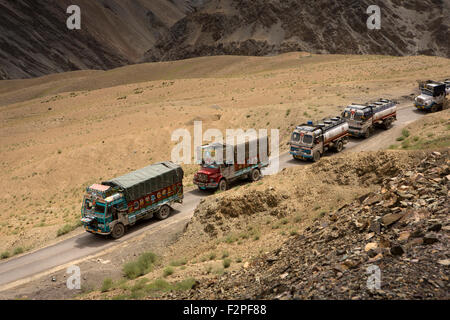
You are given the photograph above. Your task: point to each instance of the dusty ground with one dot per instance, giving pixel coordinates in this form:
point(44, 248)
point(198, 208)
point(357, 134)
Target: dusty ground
point(53, 146)
point(63, 132)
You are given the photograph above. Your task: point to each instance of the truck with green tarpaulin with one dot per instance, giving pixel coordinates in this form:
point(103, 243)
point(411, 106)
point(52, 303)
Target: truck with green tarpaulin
point(112, 206)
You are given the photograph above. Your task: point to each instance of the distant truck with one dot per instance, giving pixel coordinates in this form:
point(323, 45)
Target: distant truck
point(362, 119)
point(219, 175)
point(447, 86)
point(432, 96)
point(110, 207)
point(310, 141)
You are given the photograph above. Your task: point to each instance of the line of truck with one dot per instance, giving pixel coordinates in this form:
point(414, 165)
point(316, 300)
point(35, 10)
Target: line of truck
point(310, 140)
point(112, 206)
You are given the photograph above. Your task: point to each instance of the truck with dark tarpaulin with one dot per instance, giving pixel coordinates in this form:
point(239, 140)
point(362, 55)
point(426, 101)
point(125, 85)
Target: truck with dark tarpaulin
point(110, 207)
point(247, 158)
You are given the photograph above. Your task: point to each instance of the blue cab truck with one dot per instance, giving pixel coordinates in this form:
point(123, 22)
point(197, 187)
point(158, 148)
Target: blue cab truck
point(110, 207)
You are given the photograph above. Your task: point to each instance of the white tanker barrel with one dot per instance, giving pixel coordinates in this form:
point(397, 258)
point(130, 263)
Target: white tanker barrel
point(382, 113)
point(335, 132)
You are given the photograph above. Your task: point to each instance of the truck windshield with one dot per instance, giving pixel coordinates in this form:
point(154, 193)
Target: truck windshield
point(296, 136)
point(99, 208)
point(427, 93)
point(307, 139)
point(210, 165)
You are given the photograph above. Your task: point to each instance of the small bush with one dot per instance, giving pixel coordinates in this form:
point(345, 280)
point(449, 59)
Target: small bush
point(5, 255)
point(143, 265)
point(18, 250)
point(226, 263)
point(107, 285)
point(177, 263)
point(405, 133)
point(168, 271)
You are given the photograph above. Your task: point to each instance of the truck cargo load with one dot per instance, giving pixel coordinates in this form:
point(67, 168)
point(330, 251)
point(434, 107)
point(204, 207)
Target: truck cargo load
point(144, 181)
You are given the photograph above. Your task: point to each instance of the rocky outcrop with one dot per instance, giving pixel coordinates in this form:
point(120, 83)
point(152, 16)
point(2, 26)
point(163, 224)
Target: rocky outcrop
point(398, 235)
point(35, 41)
point(263, 27)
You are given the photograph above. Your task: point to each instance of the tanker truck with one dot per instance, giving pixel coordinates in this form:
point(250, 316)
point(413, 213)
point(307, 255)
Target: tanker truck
point(432, 96)
point(311, 140)
point(112, 206)
point(362, 119)
point(222, 164)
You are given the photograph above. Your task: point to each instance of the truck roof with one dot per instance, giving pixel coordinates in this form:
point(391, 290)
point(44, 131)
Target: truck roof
point(323, 124)
point(141, 182)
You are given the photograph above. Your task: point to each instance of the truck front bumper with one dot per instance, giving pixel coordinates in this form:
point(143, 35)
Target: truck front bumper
point(96, 231)
point(300, 155)
point(355, 133)
point(423, 107)
point(206, 185)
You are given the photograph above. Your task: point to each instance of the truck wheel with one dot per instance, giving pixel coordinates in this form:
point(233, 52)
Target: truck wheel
point(339, 146)
point(163, 212)
point(118, 231)
point(434, 108)
point(316, 156)
point(367, 133)
point(255, 175)
point(387, 124)
point(223, 185)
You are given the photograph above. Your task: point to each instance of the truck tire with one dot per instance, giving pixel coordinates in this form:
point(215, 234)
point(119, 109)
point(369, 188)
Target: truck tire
point(367, 133)
point(339, 146)
point(118, 231)
point(387, 124)
point(223, 185)
point(163, 212)
point(434, 108)
point(255, 175)
point(316, 156)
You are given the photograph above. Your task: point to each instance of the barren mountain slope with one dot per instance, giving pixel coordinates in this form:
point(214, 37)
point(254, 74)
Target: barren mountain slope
point(34, 39)
point(264, 27)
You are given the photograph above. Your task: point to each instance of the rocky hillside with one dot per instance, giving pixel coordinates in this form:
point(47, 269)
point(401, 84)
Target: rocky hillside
point(35, 41)
point(402, 230)
point(263, 27)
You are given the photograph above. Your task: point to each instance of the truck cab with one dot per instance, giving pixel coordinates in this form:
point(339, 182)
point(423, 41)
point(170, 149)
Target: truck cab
point(359, 118)
point(101, 206)
point(432, 96)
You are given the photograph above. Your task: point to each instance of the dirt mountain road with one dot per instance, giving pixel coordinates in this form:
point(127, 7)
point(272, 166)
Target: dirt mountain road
point(35, 264)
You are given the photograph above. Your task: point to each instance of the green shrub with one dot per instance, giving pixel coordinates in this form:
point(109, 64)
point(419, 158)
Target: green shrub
point(177, 263)
point(18, 250)
point(226, 263)
point(107, 285)
point(5, 255)
point(141, 266)
point(405, 133)
point(168, 271)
